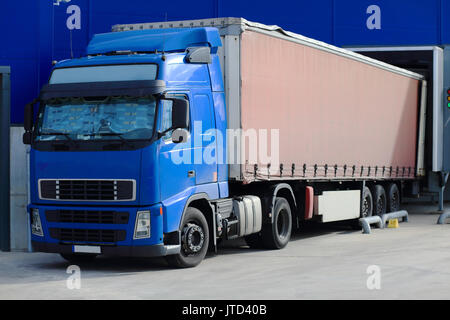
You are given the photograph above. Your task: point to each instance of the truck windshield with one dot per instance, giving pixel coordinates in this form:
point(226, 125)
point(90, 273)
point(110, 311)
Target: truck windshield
point(110, 118)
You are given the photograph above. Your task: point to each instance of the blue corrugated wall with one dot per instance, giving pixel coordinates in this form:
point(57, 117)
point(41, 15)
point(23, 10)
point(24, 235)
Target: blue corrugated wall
point(35, 32)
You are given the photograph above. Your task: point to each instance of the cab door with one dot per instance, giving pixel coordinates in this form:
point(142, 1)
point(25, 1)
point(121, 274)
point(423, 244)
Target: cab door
point(205, 151)
point(176, 169)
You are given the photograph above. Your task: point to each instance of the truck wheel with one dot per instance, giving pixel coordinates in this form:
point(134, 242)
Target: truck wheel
point(79, 258)
point(393, 198)
point(277, 234)
point(194, 240)
point(367, 203)
point(379, 200)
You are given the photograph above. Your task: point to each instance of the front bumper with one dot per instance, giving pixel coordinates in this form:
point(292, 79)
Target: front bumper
point(157, 250)
point(122, 243)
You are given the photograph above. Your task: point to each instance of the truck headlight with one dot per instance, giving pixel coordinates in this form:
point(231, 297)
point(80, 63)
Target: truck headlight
point(36, 226)
point(142, 227)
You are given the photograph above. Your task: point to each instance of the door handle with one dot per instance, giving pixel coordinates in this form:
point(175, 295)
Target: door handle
point(191, 173)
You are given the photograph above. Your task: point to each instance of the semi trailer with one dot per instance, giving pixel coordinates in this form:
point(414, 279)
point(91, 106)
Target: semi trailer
point(168, 137)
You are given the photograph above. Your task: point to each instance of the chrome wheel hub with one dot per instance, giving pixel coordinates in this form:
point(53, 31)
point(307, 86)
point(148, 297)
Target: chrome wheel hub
point(193, 238)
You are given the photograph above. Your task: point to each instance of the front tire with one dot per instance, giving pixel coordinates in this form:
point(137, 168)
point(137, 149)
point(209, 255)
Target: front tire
point(277, 234)
point(194, 240)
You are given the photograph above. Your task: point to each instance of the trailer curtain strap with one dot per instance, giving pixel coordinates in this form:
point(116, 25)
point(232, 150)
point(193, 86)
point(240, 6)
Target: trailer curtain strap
point(98, 89)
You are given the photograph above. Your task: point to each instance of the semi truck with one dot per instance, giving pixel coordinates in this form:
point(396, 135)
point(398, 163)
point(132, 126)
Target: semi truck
point(169, 137)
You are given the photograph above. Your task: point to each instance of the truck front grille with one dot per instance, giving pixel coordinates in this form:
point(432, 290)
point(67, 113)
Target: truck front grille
point(87, 190)
point(87, 235)
point(87, 216)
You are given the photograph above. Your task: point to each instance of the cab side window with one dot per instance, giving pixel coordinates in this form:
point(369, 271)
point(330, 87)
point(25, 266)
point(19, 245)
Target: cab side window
point(166, 117)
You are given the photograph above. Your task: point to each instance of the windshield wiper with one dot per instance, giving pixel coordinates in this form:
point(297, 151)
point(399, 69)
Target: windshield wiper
point(116, 134)
point(56, 143)
point(57, 134)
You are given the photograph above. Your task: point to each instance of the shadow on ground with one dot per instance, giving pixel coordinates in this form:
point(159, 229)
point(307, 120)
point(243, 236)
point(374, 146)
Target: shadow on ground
point(119, 266)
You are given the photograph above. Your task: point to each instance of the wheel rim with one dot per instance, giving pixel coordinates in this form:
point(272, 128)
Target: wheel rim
point(366, 207)
point(192, 238)
point(395, 202)
point(283, 224)
point(381, 202)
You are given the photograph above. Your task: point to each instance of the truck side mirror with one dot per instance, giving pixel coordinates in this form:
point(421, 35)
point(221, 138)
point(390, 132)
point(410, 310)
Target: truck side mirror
point(180, 135)
point(180, 114)
point(26, 138)
point(28, 117)
point(28, 122)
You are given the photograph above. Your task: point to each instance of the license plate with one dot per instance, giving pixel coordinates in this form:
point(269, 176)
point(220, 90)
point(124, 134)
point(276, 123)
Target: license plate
point(87, 249)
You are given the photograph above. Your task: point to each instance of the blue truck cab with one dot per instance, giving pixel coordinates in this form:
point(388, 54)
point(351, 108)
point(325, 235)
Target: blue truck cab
point(114, 167)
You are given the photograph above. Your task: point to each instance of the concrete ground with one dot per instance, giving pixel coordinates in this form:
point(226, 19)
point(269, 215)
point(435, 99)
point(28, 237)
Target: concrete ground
point(321, 262)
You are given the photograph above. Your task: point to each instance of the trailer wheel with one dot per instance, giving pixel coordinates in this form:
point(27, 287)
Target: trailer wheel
point(393, 198)
point(379, 200)
point(277, 234)
point(194, 240)
point(367, 203)
point(78, 258)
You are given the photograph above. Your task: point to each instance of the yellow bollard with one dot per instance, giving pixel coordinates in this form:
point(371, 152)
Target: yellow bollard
point(393, 223)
